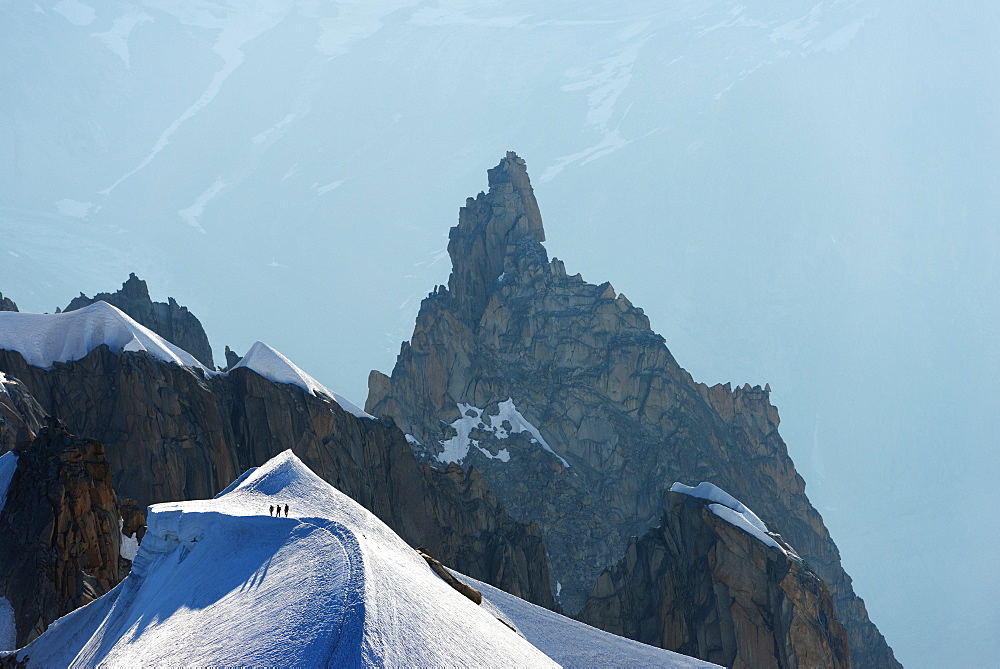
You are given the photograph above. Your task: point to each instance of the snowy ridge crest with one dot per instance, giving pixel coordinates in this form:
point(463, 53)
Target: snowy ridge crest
point(274, 366)
point(327, 585)
point(45, 339)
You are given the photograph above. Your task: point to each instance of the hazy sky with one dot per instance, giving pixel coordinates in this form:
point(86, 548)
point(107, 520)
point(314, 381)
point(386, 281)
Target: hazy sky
point(804, 194)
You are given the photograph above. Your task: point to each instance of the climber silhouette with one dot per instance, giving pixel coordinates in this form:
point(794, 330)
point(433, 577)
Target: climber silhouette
point(286, 511)
point(270, 510)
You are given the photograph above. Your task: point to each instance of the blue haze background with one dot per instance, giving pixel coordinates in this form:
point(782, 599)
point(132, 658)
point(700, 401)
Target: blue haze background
point(802, 193)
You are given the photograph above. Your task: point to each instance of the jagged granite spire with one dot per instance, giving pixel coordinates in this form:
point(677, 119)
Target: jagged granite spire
point(489, 227)
point(577, 414)
point(168, 319)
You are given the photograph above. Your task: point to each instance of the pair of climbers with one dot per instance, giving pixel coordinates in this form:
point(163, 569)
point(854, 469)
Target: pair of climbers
point(272, 507)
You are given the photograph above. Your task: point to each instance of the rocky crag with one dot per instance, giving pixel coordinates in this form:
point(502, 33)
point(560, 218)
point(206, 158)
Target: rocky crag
point(575, 411)
point(175, 433)
point(60, 535)
point(168, 319)
point(700, 585)
point(7, 304)
point(20, 414)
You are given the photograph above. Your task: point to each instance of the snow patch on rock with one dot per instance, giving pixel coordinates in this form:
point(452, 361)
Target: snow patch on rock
point(474, 418)
point(731, 510)
point(273, 366)
point(129, 545)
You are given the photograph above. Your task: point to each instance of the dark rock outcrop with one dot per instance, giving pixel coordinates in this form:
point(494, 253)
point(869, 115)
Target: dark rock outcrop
point(698, 585)
point(7, 304)
point(20, 414)
point(619, 417)
point(168, 319)
point(171, 433)
point(59, 530)
point(232, 359)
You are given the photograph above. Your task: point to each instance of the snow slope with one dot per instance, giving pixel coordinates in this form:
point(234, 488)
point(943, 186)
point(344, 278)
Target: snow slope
point(570, 642)
point(272, 365)
point(44, 339)
point(221, 582)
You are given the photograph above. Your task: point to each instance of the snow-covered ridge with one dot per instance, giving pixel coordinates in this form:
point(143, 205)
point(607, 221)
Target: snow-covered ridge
point(731, 510)
point(272, 365)
point(474, 418)
point(223, 582)
point(45, 339)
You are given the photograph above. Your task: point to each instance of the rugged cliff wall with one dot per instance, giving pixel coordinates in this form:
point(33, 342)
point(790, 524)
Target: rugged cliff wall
point(168, 319)
point(171, 433)
point(699, 585)
point(575, 411)
point(59, 530)
point(20, 414)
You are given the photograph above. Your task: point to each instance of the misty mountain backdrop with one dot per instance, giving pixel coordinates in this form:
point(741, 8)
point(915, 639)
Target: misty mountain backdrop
point(802, 194)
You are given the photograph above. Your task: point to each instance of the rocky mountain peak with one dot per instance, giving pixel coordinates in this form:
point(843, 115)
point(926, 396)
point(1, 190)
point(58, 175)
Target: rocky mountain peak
point(134, 288)
point(604, 413)
point(168, 319)
point(491, 228)
point(7, 304)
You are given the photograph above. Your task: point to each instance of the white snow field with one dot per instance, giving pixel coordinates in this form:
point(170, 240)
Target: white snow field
point(572, 643)
point(221, 582)
point(44, 339)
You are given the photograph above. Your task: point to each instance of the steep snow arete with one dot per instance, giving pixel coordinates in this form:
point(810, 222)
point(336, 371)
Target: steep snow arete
point(222, 582)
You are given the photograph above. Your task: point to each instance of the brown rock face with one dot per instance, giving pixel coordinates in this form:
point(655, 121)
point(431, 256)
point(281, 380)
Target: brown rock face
point(172, 434)
point(623, 420)
point(700, 586)
point(168, 319)
point(59, 532)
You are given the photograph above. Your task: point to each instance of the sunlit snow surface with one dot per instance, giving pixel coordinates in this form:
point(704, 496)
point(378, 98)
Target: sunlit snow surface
point(221, 582)
point(730, 509)
point(571, 643)
point(44, 339)
point(272, 365)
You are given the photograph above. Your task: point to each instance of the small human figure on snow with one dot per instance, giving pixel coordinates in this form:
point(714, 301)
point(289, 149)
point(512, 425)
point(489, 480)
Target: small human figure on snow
point(270, 510)
point(286, 511)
